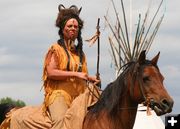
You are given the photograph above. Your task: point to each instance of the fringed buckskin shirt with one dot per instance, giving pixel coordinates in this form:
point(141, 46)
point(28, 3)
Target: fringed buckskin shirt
point(72, 86)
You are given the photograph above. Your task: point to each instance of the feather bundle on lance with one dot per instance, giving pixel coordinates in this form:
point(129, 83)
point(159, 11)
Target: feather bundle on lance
point(123, 50)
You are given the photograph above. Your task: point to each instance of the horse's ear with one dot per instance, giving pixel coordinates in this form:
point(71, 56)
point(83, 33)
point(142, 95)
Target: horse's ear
point(155, 59)
point(142, 57)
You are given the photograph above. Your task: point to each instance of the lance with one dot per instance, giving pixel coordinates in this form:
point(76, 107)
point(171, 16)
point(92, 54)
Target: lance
point(98, 52)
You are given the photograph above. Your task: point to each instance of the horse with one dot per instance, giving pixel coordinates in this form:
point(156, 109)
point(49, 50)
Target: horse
point(5, 108)
point(140, 82)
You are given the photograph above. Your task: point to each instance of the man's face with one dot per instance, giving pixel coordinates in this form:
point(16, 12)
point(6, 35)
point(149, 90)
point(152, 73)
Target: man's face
point(71, 29)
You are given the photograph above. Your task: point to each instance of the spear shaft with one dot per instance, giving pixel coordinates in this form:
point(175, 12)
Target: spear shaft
point(98, 53)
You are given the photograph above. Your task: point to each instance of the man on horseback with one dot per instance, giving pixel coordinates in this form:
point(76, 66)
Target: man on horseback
point(65, 68)
point(65, 77)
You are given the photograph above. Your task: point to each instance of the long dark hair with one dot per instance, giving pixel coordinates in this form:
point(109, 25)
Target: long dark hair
point(79, 49)
point(63, 16)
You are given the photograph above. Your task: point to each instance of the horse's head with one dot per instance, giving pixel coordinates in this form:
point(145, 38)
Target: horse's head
point(149, 85)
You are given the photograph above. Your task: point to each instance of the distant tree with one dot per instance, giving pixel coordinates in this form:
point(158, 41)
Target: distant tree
point(18, 103)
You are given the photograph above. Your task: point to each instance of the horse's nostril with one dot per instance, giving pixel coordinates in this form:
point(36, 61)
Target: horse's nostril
point(164, 101)
point(167, 105)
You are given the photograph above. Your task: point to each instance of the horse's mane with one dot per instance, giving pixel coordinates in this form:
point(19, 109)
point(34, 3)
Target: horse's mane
point(113, 93)
point(5, 108)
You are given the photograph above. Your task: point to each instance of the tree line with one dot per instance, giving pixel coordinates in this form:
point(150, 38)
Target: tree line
point(18, 103)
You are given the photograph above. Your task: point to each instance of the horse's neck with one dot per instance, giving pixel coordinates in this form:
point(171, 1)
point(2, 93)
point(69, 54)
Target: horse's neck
point(126, 114)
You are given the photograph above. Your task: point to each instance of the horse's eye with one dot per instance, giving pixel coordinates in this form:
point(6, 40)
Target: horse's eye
point(145, 79)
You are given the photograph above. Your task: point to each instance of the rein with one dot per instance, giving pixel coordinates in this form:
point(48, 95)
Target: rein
point(92, 91)
point(147, 100)
point(134, 71)
point(134, 78)
point(137, 76)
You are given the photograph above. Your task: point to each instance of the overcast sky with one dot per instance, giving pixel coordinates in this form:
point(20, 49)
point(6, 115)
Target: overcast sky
point(27, 29)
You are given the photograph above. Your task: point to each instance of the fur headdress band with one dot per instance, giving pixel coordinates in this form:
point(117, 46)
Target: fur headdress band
point(74, 7)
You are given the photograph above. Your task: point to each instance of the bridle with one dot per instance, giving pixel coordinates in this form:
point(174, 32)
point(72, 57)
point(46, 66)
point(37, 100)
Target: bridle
point(137, 75)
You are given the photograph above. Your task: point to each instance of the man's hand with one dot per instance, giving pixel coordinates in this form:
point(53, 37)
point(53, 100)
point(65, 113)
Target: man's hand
point(94, 80)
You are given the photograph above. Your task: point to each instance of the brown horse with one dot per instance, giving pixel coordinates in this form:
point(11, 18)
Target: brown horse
point(140, 81)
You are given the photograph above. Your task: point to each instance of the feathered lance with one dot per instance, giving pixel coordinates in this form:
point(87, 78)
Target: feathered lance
point(92, 41)
point(98, 53)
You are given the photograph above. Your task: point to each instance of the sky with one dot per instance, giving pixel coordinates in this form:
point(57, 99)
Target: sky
point(27, 29)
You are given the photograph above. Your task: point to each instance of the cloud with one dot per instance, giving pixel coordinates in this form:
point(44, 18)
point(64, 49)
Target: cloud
point(172, 70)
point(6, 58)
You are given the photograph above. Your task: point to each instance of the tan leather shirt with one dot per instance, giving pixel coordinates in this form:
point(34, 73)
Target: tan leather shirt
point(69, 88)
